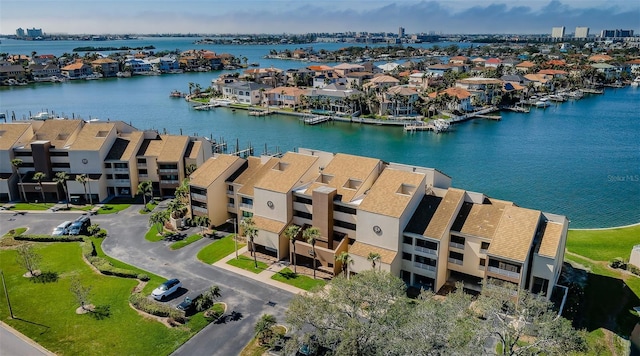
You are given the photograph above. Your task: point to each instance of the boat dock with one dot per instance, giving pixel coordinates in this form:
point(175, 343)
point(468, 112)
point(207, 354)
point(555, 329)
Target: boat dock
point(260, 113)
point(314, 120)
point(436, 126)
point(490, 117)
point(206, 106)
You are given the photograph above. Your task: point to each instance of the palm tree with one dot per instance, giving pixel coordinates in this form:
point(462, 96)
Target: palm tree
point(145, 188)
point(264, 328)
point(159, 218)
point(311, 235)
point(16, 163)
point(249, 229)
point(176, 208)
point(373, 257)
point(39, 177)
point(208, 297)
point(291, 232)
point(344, 260)
point(61, 178)
point(82, 179)
point(202, 221)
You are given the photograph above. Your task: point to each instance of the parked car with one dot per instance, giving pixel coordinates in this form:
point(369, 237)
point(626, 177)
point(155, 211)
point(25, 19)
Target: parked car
point(62, 229)
point(166, 289)
point(80, 226)
point(186, 304)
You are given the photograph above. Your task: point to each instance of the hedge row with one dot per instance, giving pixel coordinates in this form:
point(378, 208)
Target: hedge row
point(143, 303)
point(104, 266)
point(49, 238)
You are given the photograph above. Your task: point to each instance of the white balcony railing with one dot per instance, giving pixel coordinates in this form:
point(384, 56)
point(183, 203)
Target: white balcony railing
point(424, 266)
point(168, 170)
point(504, 272)
point(231, 205)
point(166, 181)
point(121, 169)
point(229, 192)
point(455, 261)
point(199, 197)
point(428, 251)
point(143, 175)
point(456, 245)
point(199, 209)
point(246, 206)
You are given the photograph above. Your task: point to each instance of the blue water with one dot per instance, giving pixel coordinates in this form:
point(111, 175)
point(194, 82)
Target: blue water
point(579, 159)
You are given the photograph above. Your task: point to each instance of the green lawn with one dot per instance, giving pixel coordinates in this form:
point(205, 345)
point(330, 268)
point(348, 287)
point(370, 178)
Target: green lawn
point(152, 235)
point(603, 245)
point(15, 232)
point(112, 208)
point(32, 206)
point(218, 249)
point(45, 312)
point(189, 240)
point(150, 206)
point(248, 264)
point(300, 281)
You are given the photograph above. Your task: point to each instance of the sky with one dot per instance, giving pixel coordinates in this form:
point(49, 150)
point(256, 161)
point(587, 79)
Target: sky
point(304, 16)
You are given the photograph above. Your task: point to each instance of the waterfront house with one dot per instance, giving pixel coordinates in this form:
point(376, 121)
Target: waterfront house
point(244, 92)
point(608, 70)
point(289, 97)
point(301, 77)
point(165, 64)
point(461, 99)
point(106, 66)
point(138, 66)
point(43, 59)
point(333, 98)
point(270, 76)
point(43, 71)
point(323, 80)
point(422, 80)
point(515, 78)
point(426, 232)
point(357, 79)
point(398, 101)
point(539, 80)
point(483, 89)
point(21, 59)
point(380, 83)
point(439, 69)
point(510, 62)
point(76, 70)
point(12, 72)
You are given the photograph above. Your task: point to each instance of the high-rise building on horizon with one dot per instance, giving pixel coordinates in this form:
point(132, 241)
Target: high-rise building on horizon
point(557, 32)
point(616, 33)
point(400, 32)
point(34, 32)
point(20, 32)
point(581, 32)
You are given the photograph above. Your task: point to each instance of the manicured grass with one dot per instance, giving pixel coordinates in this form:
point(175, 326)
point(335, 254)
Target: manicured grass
point(218, 249)
point(112, 208)
point(604, 245)
point(152, 235)
point(45, 312)
point(254, 348)
point(303, 282)
point(15, 232)
point(149, 207)
point(32, 206)
point(189, 240)
point(248, 264)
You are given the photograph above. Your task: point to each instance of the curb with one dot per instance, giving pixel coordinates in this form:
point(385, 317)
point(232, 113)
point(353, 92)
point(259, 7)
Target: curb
point(25, 339)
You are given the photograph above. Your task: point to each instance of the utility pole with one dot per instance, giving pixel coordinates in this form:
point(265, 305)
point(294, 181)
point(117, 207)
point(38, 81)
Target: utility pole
point(6, 293)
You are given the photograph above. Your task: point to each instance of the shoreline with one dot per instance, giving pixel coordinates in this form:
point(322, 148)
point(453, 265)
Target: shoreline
point(607, 228)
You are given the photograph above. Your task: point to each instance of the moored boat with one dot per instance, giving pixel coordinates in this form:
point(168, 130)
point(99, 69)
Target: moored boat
point(636, 82)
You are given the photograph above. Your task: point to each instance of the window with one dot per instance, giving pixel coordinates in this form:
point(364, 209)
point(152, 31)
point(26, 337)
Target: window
point(22, 154)
point(109, 176)
point(122, 176)
point(230, 187)
point(247, 214)
point(58, 154)
point(406, 256)
point(232, 201)
point(540, 285)
point(247, 201)
point(27, 165)
point(344, 209)
point(484, 246)
point(107, 165)
point(142, 160)
point(302, 214)
point(200, 191)
point(120, 165)
point(302, 200)
point(167, 166)
point(407, 240)
point(60, 165)
point(456, 256)
point(508, 267)
point(457, 239)
point(142, 171)
point(426, 244)
point(425, 261)
point(483, 262)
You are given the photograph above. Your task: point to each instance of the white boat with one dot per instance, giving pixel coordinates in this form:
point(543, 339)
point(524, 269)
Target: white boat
point(542, 103)
point(42, 116)
point(636, 82)
point(556, 97)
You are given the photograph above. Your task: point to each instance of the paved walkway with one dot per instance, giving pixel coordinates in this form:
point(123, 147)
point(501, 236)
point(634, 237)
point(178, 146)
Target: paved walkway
point(14, 343)
point(264, 276)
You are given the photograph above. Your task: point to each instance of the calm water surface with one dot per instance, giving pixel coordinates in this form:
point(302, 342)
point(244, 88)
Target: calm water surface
point(580, 159)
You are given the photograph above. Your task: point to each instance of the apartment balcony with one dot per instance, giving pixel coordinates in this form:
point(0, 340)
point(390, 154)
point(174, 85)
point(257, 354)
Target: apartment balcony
point(168, 170)
point(455, 261)
point(121, 169)
point(456, 245)
point(163, 181)
point(143, 176)
point(504, 272)
point(424, 266)
point(199, 197)
point(428, 251)
point(199, 209)
point(246, 206)
point(142, 164)
point(231, 205)
point(230, 192)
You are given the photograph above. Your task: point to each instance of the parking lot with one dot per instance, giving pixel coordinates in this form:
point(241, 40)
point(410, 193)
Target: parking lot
point(246, 298)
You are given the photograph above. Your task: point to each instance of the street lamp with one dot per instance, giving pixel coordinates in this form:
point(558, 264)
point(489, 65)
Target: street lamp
point(235, 236)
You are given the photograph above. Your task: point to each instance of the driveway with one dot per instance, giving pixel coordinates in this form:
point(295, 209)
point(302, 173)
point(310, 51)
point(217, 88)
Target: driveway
point(246, 299)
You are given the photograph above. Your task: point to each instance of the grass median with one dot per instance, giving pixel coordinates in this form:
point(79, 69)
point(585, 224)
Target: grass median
point(218, 249)
point(247, 264)
point(297, 280)
point(188, 241)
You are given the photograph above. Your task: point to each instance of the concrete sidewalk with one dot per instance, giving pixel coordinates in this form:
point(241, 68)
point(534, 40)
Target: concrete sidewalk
point(15, 343)
point(264, 276)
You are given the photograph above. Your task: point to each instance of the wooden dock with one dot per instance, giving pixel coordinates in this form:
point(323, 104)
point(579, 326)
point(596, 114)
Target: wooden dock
point(206, 106)
point(316, 120)
point(260, 113)
point(490, 117)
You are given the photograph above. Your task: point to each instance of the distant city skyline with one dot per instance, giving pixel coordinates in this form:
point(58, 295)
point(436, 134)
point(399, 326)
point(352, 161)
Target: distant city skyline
point(303, 16)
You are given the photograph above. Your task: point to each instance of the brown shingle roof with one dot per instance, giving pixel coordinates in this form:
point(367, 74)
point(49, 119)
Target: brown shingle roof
point(392, 191)
point(551, 240)
point(210, 170)
point(270, 225)
point(92, 136)
point(515, 233)
point(59, 132)
point(10, 133)
point(445, 213)
point(362, 249)
point(173, 148)
point(285, 174)
point(483, 219)
point(341, 169)
point(253, 174)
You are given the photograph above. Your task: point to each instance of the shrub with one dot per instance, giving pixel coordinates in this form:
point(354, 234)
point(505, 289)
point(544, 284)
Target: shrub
point(105, 267)
point(143, 303)
point(88, 249)
point(633, 269)
point(143, 277)
point(617, 262)
point(49, 238)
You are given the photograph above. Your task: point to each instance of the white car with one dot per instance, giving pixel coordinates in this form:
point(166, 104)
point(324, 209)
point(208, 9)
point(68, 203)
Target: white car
point(165, 289)
point(61, 229)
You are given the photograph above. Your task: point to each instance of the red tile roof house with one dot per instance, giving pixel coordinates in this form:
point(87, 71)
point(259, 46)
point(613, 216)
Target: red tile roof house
point(76, 70)
point(493, 62)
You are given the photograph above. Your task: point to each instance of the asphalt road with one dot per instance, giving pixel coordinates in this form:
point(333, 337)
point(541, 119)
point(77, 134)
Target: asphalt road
point(246, 299)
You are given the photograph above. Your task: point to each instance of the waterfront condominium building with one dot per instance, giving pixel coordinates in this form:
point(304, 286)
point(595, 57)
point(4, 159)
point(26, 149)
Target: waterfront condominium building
point(557, 33)
point(420, 227)
point(581, 33)
point(114, 156)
